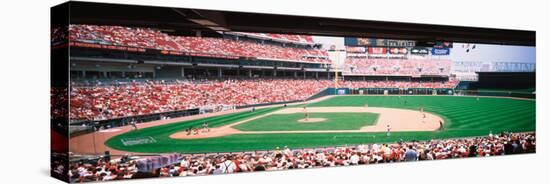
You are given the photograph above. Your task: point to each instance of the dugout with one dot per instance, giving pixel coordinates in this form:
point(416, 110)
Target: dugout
point(79, 127)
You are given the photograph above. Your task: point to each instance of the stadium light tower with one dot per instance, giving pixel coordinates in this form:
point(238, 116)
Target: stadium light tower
point(337, 56)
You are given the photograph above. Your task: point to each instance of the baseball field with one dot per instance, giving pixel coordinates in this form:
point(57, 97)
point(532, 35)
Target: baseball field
point(336, 121)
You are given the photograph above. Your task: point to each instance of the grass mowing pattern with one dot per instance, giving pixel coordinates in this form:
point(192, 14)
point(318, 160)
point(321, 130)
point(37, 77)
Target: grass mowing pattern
point(459, 113)
point(334, 121)
point(464, 117)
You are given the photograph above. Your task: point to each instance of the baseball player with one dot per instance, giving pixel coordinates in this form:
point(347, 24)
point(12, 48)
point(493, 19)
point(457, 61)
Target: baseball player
point(306, 114)
point(134, 124)
point(205, 127)
point(388, 129)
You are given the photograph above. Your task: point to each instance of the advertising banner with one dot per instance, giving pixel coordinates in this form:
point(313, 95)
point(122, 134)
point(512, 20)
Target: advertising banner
point(370, 42)
point(378, 50)
point(420, 51)
point(440, 51)
point(398, 51)
point(356, 49)
point(400, 43)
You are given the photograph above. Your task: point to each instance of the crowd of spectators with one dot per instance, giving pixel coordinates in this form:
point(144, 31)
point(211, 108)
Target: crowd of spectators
point(410, 67)
point(154, 39)
point(122, 36)
point(140, 98)
point(450, 84)
point(147, 97)
point(157, 96)
point(59, 35)
point(218, 46)
point(285, 158)
point(304, 39)
point(59, 99)
point(222, 47)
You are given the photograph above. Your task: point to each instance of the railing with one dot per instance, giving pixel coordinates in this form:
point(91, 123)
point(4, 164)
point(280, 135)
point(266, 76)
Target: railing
point(266, 104)
point(86, 126)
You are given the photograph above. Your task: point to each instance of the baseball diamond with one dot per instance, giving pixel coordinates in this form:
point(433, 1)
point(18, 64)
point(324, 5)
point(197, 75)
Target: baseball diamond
point(462, 117)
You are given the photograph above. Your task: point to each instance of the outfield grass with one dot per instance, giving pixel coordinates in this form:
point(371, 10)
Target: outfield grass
point(528, 90)
point(464, 117)
point(463, 113)
point(334, 121)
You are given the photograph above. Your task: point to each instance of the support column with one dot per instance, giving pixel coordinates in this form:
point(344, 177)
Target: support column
point(295, 74)
point(316, 75)
point(183, 72)
point(250, 73)
point(220, 72)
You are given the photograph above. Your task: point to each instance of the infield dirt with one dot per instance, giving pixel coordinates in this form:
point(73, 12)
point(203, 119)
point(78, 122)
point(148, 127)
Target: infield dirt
point(397, 119)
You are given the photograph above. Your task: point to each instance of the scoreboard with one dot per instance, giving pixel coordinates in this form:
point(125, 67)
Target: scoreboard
point(374, 42)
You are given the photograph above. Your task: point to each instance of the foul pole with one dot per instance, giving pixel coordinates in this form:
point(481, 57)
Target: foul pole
point(334, 53)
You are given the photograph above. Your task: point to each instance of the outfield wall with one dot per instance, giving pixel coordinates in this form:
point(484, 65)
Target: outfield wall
point(497, 94)
point(389, 91)
point(422, 91)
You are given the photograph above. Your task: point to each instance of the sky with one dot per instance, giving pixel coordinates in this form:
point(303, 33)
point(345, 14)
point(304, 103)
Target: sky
point(494, 53)
point(327, 41)
point(482, 52)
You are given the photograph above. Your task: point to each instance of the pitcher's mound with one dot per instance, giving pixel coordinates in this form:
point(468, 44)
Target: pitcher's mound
point(311, 120)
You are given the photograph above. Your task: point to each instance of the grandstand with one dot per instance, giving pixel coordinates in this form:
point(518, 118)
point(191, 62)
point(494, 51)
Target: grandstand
point(174, 165)
point(232, 45)
point(233, 70)
point(402, 67)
